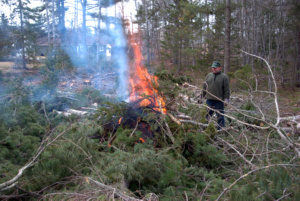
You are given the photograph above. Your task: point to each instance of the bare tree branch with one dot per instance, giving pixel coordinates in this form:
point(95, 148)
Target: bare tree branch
point(274, 82)
point(275, 126)
point(241, 155)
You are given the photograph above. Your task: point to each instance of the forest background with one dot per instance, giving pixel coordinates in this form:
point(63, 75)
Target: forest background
point(62, 92)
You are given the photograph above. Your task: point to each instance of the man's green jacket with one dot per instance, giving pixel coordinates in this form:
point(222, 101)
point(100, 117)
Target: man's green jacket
point(216, 87)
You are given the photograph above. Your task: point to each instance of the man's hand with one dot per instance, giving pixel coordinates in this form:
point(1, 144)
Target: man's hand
point(200, 99)
point(226, 102)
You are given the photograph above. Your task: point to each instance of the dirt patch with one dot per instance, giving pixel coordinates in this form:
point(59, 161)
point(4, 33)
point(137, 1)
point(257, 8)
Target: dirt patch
point(13, 67)
point(6, 66)
point(289, 101)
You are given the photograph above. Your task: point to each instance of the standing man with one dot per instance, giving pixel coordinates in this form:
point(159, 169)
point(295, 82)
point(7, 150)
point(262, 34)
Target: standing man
point(216, 90)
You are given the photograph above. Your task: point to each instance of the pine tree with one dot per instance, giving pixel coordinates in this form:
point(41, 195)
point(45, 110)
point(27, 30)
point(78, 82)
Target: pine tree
point(25, 33)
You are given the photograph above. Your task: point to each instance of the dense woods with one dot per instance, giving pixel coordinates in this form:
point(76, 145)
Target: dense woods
point(70, 129)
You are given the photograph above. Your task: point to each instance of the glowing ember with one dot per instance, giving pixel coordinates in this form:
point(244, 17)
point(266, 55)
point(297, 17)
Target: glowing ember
point(142, 83)
point(142, 140)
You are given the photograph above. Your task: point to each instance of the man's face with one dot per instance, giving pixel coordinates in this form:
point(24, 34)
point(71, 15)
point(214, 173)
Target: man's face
point(216, 70)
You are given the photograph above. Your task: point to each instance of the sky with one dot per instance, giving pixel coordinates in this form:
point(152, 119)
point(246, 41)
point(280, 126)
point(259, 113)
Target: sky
point(129, 11)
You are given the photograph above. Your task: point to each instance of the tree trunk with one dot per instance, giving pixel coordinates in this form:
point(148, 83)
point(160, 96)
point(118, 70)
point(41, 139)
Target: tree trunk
point(22, 34)
point(53, 24)
point(83, 5)
point(227, 37)
point(62, 26)
point(298, 62)
point(176, 49)
point(242, 32)
point(253, 39)
point(207, 28)
point(147, 31)
point(48, 22)
point(98, 32)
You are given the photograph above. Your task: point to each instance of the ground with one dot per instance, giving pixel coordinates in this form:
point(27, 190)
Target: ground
point(289, 98)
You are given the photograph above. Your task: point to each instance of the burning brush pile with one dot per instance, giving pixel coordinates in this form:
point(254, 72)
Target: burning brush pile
point(146, 105)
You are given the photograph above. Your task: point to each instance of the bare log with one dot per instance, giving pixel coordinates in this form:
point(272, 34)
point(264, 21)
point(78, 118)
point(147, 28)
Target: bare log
point(193, 122)
point(77, 112)
point(181, 116)
point(291, 118)
point(177, 121)
point(89, 108)
point(66, 114)
point(71, 111)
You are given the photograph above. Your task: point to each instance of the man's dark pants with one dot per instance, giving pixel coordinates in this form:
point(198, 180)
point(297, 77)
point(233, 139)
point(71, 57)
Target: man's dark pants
point(218, 106)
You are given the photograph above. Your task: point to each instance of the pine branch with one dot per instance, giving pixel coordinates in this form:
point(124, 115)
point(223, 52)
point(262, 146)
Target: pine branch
point(11, 183)
point(169, 133)
point(252, 171)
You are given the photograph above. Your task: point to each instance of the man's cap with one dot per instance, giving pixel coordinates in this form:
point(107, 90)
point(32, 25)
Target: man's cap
point(216, 64)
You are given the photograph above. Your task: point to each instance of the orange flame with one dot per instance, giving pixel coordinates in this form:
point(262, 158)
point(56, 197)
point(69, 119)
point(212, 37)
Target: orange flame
point(120, 120)
point(142, 83)
point(141, 139)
